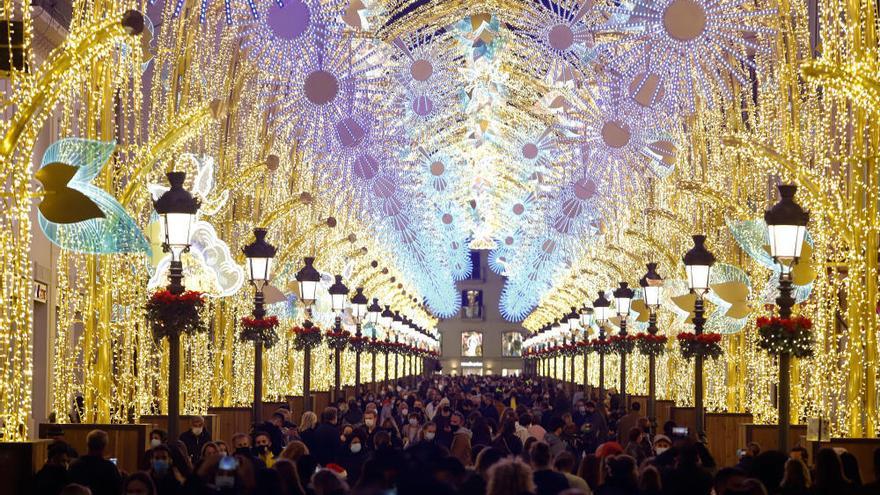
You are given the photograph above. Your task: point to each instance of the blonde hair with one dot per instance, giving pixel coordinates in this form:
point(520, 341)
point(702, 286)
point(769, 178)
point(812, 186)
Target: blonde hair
point(510, 476)
point(308, 421)
point(294, 450)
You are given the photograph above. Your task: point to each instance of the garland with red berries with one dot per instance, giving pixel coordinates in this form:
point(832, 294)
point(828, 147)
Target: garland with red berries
point(786, 336)
point(260, 330)
point(171, 314)
point(358, 343)
point(337, 340)
point(602, 347)
point(650, 344)
point(623, 344)
point(306, 337)
point(692, 345)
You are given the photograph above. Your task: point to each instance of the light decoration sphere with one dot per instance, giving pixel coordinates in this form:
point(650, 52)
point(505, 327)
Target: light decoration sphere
point(690, 46)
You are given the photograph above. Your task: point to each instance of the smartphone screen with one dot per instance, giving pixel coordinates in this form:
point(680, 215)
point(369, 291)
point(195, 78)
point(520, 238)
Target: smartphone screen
point(113, 460)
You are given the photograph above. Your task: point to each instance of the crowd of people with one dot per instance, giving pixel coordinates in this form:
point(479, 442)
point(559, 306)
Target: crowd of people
point(464, 435)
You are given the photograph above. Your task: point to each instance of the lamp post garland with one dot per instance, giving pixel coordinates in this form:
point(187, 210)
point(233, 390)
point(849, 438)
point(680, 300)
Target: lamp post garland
point(260, 330)
point(177, 210)
point(308, 279)
point(698, 263)
point(652, 285)
point(786, 228)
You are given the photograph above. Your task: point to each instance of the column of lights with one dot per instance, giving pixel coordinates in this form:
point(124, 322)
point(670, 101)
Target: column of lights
point(698, 266)
point(259, 255)
point(623, 295)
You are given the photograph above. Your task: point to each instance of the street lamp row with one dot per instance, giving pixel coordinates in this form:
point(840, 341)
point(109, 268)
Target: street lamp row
point(786, 231)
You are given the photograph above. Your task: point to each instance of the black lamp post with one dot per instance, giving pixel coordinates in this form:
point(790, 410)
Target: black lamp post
point(601, 309)
point(373, 314)
point(259, 256)
point(360, 311)
point(386, 319)
point(574, 320)
point(308, 279)
point(561, 330)
point(177, 210)
point(652, 285)
point(337, 292)
point(586, 322)
point(623, 295)
point(397, 326)
point(787, 229)
point(698, 265)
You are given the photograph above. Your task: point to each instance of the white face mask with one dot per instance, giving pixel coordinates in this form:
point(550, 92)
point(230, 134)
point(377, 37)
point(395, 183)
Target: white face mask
point(155, 442)
point(197, 430)
point(660, 450)
point(404, 412)
point(429, 435)
point(370, 422)
point(413, 421)
point(355, 448)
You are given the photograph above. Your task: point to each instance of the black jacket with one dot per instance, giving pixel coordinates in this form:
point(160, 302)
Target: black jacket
point(326, 443)
point(195, 443)
point(97, 473)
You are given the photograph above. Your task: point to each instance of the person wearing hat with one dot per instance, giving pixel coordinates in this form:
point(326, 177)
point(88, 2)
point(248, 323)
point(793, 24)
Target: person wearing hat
point(662, 443)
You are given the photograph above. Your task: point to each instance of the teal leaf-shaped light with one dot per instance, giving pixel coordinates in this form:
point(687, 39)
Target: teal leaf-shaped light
point(116, 231)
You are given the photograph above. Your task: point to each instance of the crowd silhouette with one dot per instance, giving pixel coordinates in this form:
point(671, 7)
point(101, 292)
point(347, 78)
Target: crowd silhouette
point(465, 435)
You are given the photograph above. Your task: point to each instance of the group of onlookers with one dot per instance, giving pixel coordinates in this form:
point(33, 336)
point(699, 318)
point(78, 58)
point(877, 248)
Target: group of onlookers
point(453, 435)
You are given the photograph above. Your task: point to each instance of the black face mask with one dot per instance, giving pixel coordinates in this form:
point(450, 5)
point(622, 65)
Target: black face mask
point(262, 449)
point(243, 451)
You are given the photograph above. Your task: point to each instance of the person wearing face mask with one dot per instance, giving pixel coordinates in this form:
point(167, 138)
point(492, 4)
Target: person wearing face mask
point(157, 437)
point(353, 455)
point(661, 444)
point(53, 476)
point(263, 448)
point(429, 432)
point(371, 427)
point(412, 429)
point(196, 437)
point(165, 475)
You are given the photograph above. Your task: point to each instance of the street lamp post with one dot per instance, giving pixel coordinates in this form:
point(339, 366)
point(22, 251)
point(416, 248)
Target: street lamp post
point(787, 229)
point(601, 308)
point(397, 325)
point(698, 265)
point(337, 292)
point(623, 295)
point(386, 320)
point(574, 320)
point(177, 210)
point(373, 313)
point(359, 310)
point(586, 322)
point(308, 279)
point(652, 285)
point(562, 332)
point(259, 256)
